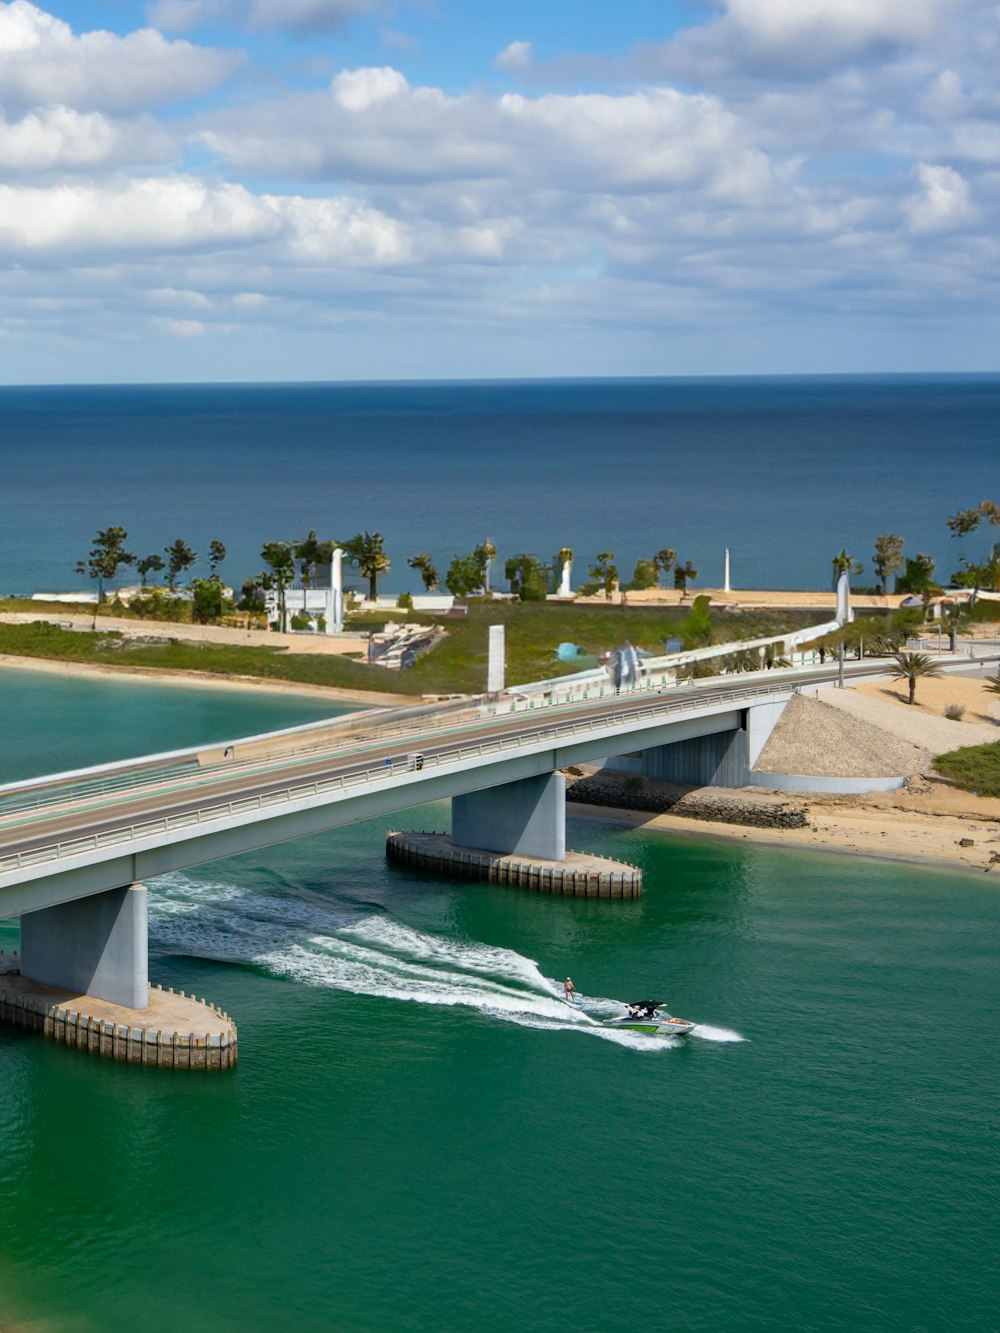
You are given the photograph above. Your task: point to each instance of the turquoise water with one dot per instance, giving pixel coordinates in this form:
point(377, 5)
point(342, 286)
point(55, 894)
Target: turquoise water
point(421, 1136)
point(49, 724)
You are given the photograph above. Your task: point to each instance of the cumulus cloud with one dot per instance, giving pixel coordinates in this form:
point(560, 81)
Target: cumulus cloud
point(58, 138)
point(178, 215)
point(823, 32)
point(514, 57)
point(299, 16)
point(943, 202)
point(750, 190)
point(43, 61)
point(374, 126)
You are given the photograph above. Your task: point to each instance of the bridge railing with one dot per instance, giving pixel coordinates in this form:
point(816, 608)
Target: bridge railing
point(625, 710)
point(368, 776)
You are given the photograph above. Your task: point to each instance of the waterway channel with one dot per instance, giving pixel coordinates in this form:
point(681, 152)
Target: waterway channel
point(421, 1136)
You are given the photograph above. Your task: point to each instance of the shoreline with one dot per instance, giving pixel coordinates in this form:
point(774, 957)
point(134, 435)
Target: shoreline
point(206, 680)
point(833, 830)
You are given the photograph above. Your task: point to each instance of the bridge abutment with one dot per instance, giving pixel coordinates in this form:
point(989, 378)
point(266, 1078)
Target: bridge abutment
point(95, 946)
point(721, 759)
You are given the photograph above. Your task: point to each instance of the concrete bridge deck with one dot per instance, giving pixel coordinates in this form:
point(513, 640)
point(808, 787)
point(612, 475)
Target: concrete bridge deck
point(135, 820)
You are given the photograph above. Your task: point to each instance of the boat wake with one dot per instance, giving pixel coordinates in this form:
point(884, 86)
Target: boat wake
point(363, 951)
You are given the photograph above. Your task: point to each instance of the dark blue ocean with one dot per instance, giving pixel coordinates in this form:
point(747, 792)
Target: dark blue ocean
point(783, 471)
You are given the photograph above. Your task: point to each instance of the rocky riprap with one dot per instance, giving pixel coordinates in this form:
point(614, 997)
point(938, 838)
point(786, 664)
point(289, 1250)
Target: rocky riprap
point(744, 806)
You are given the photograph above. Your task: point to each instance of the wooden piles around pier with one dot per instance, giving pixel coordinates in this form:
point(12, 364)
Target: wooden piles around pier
point(136, 1041)
point(581, 875)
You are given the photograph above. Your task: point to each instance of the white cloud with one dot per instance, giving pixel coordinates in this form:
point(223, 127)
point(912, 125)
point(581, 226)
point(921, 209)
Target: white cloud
point(375, 127)
point(943, 202)
point(359, 89)
point(327, 231)
point(514, 57)
point(171, 214)
point(182, 328)
point(182, 215)
point(58, 138)
point(300, 16)
point(42, 61)
point(827, 31)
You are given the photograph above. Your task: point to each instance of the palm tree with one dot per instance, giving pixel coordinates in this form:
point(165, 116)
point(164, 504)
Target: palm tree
point(910, 667)
point(993, 684)
point(664, 560)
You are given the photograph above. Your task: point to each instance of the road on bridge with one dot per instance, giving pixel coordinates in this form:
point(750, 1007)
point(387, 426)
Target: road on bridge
point(66, 816)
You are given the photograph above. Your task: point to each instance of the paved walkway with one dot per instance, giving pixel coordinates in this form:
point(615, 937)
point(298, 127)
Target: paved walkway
point(936, 734)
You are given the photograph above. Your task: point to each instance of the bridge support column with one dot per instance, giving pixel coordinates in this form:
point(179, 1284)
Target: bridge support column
point(527, 817)
point(94, 946)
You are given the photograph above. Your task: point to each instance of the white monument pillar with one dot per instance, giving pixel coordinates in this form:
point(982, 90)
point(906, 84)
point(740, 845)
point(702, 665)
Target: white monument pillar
point(725, 581)
point(844, 613)
point(335, 605)
point(495, 674)
point(564, 589)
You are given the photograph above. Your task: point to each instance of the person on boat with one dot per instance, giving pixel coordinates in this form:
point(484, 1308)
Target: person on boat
point(634, 1010)
point(569, 991)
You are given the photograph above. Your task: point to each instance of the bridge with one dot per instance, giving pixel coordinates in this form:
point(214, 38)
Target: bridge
point(76, 847)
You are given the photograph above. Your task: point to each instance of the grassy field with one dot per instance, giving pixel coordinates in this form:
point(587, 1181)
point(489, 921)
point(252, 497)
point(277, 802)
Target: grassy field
point(458, 665)
point(110, 649)
point(974, 768)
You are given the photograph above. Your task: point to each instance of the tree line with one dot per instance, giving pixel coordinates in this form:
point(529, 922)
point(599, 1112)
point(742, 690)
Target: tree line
point(109, 555)
point(918, 571)
point(468, 574)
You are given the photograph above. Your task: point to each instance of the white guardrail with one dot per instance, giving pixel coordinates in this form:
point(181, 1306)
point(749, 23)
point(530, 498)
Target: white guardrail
point(304, 791)
point(780, 682)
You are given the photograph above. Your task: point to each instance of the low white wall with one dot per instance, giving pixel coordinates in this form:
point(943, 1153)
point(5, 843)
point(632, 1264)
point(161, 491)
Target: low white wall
point(835, 786)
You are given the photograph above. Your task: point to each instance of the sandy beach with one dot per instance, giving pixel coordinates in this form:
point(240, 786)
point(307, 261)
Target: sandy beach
point(916, 838)
point(924, 826)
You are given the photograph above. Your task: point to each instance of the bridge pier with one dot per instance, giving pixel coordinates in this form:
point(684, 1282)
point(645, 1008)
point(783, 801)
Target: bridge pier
point(515, 834)
point(527, 817)
point(94, 946)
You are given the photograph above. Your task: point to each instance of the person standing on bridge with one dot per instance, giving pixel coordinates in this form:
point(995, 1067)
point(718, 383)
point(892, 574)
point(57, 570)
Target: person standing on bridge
point(388, 765)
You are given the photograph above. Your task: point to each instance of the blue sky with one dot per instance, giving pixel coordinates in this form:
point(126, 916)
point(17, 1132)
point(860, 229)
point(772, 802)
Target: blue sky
point(367, 189)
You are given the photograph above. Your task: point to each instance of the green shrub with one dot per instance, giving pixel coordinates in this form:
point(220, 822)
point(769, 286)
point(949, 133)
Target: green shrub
point(405, 601)
point(974, 768)
point(302, 620)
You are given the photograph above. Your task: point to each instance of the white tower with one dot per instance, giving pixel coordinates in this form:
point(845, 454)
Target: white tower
point(567, 569)
point(725, 581)
point(335, 595)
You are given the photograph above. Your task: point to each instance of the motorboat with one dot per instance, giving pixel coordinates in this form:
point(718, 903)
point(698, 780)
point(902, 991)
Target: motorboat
point(649, 1016)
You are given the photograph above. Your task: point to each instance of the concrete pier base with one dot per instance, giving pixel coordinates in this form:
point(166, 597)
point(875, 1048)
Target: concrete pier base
point(94, 946)
point(172, 1031)
point(577, 875)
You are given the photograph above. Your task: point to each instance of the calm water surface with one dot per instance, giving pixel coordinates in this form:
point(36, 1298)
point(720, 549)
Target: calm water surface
point(421, 1136)
point(783, 471)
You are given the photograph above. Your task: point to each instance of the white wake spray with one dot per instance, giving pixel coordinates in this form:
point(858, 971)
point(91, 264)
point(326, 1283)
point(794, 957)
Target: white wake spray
point(365, 952)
